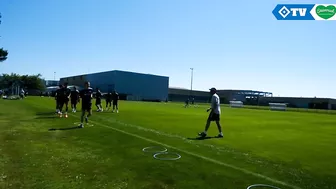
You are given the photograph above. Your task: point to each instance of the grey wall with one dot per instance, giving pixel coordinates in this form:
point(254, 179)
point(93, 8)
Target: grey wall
point(143, 86)
point(105, 81)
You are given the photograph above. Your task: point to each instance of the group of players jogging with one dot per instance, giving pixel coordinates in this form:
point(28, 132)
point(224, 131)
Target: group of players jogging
point(64, 95)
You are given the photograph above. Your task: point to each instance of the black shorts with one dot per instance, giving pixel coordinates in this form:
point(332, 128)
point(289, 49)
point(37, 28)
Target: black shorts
point(86, 107)
point(74, 101)
point(213, 117)
point(66, 101)
point(59, 101)
point(98, 101)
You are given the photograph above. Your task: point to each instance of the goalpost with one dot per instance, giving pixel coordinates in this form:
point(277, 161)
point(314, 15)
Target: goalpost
point(13, 92)
point(278, 106)
point(236, 104)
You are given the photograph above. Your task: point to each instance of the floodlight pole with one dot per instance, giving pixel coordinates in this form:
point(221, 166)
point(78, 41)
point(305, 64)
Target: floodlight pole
point(191, 80)
point(54, 76)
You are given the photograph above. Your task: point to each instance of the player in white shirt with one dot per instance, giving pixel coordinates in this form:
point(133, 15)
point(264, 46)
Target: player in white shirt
point(214, 114)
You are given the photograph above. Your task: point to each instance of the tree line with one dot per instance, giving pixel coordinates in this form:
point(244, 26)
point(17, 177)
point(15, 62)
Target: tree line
point(3, 53)
point(28, 82)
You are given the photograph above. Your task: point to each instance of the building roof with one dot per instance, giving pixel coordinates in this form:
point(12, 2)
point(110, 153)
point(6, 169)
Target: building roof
point(220, 90)
point(244, 91)
point(179, 88)
point(112, 72)
point(308, 98)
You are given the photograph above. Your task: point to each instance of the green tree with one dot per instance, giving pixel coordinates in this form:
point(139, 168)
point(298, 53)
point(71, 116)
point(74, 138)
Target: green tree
point(3, 53)
point(34, 82)
point(7, 80)
point(30, 82)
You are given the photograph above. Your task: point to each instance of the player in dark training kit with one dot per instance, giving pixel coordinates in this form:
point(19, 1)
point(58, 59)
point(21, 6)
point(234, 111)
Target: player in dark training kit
point(99, 96)
point(115, 98)
point(86, 94)
point(108, 98)
point(65, 92)
point(187, 103)
point(74, 99)
point(58, 99)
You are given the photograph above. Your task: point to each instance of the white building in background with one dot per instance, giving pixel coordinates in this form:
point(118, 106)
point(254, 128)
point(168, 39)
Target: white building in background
point(49, 83)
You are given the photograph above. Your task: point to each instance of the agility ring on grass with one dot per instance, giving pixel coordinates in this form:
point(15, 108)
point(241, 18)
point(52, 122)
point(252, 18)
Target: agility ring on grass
point(178, 156)
point(262, 185)
point(154, 149)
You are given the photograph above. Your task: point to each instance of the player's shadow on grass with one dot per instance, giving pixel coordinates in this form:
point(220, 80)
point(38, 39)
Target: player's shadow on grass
point(202, 138)
point(64, 129)
point(46, 117)
point(45, 113)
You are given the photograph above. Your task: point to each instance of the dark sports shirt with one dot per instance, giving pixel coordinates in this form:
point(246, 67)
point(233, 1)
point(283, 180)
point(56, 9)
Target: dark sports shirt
point(58, 94)
point(86, 95)
point(75, 95)
point(108, 96)
point(66, 93)
point(99, 95)
point(115, 96)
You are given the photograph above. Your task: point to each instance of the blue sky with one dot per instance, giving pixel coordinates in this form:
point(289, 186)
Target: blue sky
point(230, 44)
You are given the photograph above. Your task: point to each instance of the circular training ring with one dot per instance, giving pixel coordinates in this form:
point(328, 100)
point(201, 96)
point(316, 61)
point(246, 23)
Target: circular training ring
point(147, 149)
point(262, 185)
point(178, 156)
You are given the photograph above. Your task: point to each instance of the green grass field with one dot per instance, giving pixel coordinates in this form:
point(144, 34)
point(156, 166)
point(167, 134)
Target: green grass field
point(290, 150)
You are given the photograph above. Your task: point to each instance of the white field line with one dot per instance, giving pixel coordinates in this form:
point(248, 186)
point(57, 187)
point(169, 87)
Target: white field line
point(199, 156)
point(186, 140)
point(197, 143)
point(275, 181)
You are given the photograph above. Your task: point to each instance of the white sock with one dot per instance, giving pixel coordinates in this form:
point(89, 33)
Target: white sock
point(221, 133)
point(205, 132)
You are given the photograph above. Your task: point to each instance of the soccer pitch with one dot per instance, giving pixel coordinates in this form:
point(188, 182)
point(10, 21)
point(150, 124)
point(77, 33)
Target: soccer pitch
point(290, 150)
